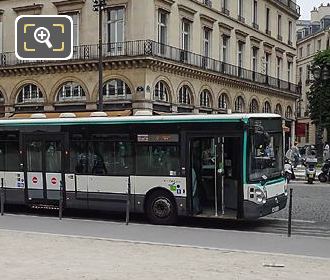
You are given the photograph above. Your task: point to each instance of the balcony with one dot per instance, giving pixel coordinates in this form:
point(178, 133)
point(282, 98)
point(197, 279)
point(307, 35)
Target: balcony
point(293, 7)
point(146, 49)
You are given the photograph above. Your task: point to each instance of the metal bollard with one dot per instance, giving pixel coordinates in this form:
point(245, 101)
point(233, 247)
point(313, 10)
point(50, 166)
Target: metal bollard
point(290, 214)
point(2, 198)
point(128, 200)
point(60, 208)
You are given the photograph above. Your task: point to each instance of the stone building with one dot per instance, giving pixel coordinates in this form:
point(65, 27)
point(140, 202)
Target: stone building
point(166, 56)
point(312, 36)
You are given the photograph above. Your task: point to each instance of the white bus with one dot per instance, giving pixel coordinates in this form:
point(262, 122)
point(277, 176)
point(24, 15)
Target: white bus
point(226, 166)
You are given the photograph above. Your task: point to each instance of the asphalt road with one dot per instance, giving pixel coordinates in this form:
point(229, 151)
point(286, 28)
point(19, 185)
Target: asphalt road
point(311, 215)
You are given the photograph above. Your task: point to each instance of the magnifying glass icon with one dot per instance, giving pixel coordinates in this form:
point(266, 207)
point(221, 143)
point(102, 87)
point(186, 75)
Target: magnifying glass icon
point(42, 35)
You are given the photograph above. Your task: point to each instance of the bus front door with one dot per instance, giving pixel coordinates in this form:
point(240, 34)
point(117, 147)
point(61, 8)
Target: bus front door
point(43, 167)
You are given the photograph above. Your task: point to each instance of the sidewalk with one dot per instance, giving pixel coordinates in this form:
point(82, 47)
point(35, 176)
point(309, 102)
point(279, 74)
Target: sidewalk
point(38, 256)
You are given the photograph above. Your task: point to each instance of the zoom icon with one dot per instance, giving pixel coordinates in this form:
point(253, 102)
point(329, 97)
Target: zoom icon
point(44, 37)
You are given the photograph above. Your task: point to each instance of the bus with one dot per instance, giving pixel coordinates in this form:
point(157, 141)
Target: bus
point(225, 166)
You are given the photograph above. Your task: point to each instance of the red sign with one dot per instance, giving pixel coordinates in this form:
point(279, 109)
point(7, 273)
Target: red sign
point(301, 129)
point(34, 180)
point(54, 181)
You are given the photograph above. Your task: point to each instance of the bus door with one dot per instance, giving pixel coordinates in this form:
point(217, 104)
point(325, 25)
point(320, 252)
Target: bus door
point(214, 175)
point(43, 166)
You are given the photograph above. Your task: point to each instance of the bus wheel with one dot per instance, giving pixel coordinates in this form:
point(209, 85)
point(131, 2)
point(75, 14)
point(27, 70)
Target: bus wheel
point(161, 208)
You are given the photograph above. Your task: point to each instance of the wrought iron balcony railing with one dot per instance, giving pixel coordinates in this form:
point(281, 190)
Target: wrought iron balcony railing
point(291, 5)
point(149, 48)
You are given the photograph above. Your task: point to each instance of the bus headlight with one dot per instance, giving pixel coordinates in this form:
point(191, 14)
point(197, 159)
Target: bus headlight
point(286, 189)
point(260, 196)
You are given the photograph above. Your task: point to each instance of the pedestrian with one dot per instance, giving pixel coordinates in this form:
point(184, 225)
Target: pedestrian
point(326, 151)
point(295, 154)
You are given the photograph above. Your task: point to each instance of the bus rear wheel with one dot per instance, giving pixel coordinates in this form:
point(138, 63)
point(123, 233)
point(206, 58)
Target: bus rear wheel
point(161, 208)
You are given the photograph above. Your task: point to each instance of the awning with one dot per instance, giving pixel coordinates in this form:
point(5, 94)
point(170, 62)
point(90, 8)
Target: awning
point(53, 115)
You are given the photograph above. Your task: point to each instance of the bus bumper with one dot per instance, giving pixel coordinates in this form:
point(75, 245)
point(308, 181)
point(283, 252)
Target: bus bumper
point(254, 211)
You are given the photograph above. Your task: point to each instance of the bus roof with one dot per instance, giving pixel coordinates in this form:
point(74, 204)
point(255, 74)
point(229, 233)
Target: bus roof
point(136, 119)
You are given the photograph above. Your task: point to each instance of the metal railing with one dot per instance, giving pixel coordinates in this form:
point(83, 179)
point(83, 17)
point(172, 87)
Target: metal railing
point(291, 5)
point(149, 48)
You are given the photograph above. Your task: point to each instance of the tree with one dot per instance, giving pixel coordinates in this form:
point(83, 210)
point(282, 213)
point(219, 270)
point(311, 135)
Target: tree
point(319, 96)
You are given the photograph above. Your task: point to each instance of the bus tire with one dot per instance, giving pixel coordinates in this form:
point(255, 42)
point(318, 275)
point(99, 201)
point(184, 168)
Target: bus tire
point(161, 208)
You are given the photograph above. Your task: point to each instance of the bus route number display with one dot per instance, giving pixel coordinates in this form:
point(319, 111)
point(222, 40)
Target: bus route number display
point(172, 138)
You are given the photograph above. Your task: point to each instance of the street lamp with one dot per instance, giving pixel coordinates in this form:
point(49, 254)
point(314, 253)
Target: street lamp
point(98, 6)
point(321, 73)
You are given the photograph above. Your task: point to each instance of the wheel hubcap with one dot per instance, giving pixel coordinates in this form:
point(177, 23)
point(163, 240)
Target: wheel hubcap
point(161, 207)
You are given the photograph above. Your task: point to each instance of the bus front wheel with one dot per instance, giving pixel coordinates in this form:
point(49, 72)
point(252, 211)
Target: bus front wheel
point(161, 208)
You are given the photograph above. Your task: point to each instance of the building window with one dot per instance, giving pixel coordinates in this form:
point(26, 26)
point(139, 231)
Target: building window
point(300, 72)
point(161, 92)
point(205, 98)
point(185, 95)
point(268, 21)
point(29, 94)
point(288, 112)
point(2, 105)
point(267, 108)
point(240, 10)
point(254, 106)
point(206, 42)
point(162, 27)
point(225, 48)
point(1, 34)
point(116, 89)
point(75, 16)
point(255, 59)
point(223, 101)
point(239, 104)
point(71, 91)
point(289, 71)
point(279, 68)
point(319, 42)
point(224, 6)
point(240, 54)
point(290, 33)
point(185, 44)
point(115, 29)
point(267, 63)
point(308, 49)
point(278, 109)
point(255, 14)
point(300, 52)
point(279, 27)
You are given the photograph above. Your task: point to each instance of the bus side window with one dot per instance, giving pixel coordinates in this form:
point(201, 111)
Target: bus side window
point(159, 160)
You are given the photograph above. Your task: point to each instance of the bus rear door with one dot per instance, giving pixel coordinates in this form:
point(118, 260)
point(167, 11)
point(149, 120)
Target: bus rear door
point(43, 166)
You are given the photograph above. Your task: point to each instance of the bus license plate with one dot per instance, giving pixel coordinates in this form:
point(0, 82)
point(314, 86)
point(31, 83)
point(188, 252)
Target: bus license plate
point(310, 175)
point(275, 209)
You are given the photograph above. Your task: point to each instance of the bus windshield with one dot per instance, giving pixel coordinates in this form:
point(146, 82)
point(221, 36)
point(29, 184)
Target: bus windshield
point(266, 153)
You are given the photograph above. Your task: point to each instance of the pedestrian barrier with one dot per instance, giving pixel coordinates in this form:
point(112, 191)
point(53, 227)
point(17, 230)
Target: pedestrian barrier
point(290, 214)
point(128, 200)
point(2, 198)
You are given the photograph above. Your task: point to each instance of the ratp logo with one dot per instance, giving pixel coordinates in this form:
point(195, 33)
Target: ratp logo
point(44, 37)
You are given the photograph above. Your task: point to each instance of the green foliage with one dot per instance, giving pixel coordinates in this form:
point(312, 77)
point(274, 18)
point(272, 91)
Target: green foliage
point(319, 94)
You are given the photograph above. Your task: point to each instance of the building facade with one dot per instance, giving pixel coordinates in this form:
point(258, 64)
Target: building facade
point(312, 36)
point(166, 56)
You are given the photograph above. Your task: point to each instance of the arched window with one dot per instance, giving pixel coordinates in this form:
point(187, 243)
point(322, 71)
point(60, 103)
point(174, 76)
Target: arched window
point(205, 98)
point(116, 89)
point(278, 109)
point(71, 91)
point(29, 93)
point(185, 95)
point(161, 92)
point(288, 112)
point(239, 104)
point(267, 108)
point(223, 101)
point(254, 106)
point(2, 105)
